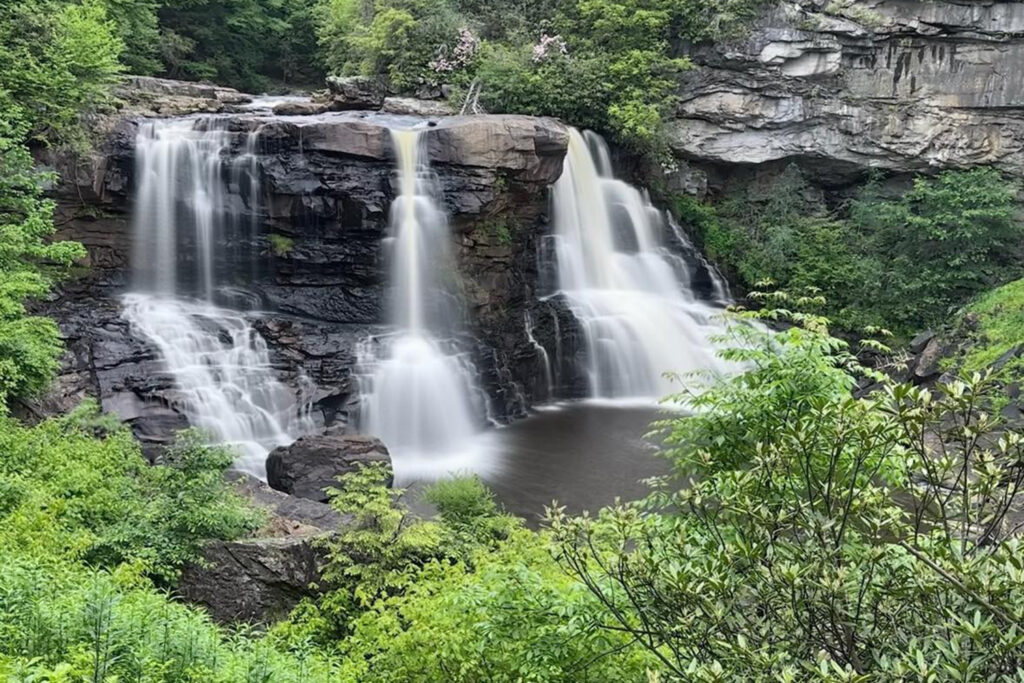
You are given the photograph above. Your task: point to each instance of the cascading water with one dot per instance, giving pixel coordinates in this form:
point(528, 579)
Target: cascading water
point(190, 200)
point(417, 393)
point(631, 295)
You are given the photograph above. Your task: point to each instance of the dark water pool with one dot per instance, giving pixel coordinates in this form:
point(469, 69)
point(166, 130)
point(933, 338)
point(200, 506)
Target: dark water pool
point(584, 455)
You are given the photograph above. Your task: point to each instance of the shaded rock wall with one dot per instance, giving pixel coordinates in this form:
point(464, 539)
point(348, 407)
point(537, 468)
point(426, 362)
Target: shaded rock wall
point(840, 87)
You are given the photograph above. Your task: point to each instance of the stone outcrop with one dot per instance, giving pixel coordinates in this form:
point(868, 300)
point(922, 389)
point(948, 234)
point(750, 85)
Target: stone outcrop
point(253, 580)
point(260, 580)
point(353, 92)
point(148, 96)
point(899, 85)
point(313, 463)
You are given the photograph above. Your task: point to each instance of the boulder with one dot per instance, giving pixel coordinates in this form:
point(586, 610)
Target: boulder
point(313, 463)
point(253, 580)
point(354, 92)
point(925, 366)
point(261, 579)
point(288, 513)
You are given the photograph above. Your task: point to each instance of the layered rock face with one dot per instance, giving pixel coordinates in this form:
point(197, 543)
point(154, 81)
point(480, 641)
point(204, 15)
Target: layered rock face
point(899, 85)
point(316, 259)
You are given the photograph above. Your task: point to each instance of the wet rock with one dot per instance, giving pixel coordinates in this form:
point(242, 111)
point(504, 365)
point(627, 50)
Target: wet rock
point(313, 463)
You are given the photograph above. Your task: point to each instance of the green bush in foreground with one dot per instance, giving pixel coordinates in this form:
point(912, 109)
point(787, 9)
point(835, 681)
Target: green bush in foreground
point(809, 535)
point(71, 495)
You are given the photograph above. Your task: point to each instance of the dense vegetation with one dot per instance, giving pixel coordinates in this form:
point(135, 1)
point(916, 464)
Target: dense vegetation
point(903, 260)
point(803, 534)
point(610, 65)
point(990, 330)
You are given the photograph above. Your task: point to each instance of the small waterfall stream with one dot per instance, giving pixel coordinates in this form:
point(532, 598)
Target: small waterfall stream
point(630, 293)
point(417, 393)
point(189, 202)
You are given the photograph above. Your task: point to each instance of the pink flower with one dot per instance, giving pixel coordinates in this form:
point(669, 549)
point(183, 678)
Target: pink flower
point(550, 46)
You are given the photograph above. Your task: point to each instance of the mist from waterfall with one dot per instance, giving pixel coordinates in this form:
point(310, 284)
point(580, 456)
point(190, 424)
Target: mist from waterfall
point(631, 295)
point(192, 199)
point(418, 391)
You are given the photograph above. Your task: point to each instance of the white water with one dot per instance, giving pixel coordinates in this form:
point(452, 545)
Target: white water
point(188, 203)
point(417, 394)
point(632, 297)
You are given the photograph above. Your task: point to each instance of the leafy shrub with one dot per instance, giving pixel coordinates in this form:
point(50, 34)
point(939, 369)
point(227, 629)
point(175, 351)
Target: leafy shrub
point(66, 622)
point(991, 326)
point(29, 345)
point(99, 502)
point(396, 39)
point(57, 59)
point(778, 550)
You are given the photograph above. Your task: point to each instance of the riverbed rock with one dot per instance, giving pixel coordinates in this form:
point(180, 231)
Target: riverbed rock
point(313, 463)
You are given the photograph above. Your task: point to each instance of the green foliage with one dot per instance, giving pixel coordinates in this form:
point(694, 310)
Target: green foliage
point(778, 550)
point(57, 59)
point(65, 622)
point(281, 245)
point(249, 44)
point(98, 501)
point(902, 262)
point(137, 27)
point(471, 597)
point(610, 65)
point(29, 345)
point(992, 325)
point(396, 39)
point(84, 523)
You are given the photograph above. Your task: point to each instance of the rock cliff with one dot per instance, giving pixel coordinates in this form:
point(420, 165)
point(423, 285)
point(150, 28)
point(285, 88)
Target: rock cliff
point(842, 87)
point(316, 259)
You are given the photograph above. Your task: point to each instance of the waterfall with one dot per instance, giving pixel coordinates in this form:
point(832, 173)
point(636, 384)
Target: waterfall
point(417, 388)
point(631, 295)
point(190, 203)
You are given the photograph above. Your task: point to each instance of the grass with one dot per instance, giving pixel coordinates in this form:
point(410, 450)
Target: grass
point(998, 325)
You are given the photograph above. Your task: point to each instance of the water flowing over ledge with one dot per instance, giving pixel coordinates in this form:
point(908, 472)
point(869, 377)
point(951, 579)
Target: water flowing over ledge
point(417, 388)
point(631, 294)
point(191, 200)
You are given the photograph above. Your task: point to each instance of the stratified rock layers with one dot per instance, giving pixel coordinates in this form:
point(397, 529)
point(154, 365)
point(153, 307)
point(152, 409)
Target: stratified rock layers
point(899, 85)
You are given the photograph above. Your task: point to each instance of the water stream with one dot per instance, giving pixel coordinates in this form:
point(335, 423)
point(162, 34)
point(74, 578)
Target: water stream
point(417, 388)
point(630, 293)
point(191, 199)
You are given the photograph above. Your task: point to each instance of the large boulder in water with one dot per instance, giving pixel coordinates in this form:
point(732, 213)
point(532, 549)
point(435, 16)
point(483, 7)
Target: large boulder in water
point(313, 463)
